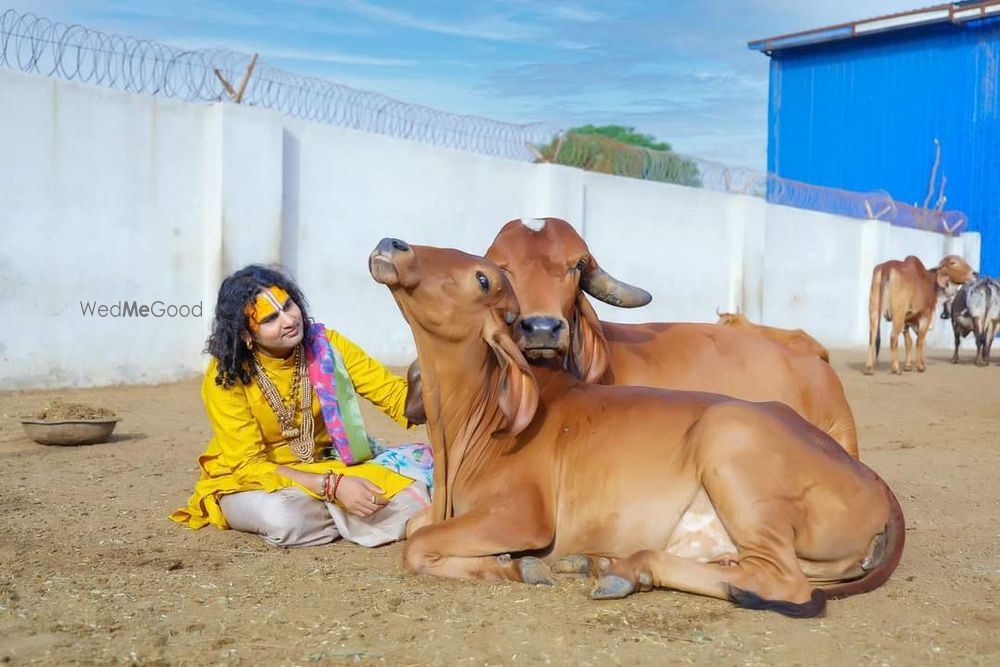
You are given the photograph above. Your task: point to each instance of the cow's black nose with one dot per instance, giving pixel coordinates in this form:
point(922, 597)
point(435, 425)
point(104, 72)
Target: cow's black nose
point(534, 326)
point(388, 245)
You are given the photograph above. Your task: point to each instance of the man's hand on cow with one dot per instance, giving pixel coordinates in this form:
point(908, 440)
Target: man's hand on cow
point(360, 497)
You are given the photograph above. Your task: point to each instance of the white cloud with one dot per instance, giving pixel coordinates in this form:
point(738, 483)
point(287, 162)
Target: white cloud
point(311, 55)
point(572, 13)
point(328, 56)
point(493, 28)
point(204, 13)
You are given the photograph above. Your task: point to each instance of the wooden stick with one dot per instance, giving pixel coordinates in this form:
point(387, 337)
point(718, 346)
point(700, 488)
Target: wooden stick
point(951, 230)
point(536, 153)
point(941, 198)
point(225, 84)
point(559, 145)
point(246, 79)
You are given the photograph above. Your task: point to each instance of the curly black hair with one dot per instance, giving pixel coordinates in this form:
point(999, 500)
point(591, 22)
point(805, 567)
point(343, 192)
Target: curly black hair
point(231, 322)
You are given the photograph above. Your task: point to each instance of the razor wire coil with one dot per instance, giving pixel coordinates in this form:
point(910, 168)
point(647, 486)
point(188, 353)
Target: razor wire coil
point(34, 44)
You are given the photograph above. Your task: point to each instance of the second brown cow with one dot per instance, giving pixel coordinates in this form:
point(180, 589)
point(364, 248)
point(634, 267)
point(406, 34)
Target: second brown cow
point(551, 269)
point(794, 339)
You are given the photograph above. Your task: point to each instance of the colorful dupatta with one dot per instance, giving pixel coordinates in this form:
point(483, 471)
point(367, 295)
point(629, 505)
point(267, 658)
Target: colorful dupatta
point(342, 415)
point(337, 401)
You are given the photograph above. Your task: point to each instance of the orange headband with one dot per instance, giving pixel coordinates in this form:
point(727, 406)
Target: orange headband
point(269, 300)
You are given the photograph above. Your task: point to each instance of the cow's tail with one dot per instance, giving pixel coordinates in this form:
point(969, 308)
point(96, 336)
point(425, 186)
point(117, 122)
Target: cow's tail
point(895, 538)
point(979, 331)
point(876, 298)
point(983, 327)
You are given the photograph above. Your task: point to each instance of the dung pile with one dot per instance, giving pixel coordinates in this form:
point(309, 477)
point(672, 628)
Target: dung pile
point(58, 411)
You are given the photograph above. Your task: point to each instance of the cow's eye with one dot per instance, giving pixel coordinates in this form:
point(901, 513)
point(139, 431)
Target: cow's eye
point(581, 265)
point(484, 282)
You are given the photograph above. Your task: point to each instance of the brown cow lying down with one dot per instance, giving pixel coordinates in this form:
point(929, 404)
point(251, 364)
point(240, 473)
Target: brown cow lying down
point(906, 294)
point(796, 340)
point(691, 491)
point(550, 267)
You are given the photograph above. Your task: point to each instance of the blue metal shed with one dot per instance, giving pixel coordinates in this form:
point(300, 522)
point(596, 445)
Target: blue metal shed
point(858, 106)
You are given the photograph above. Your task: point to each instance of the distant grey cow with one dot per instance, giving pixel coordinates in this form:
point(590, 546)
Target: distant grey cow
point(976, 309)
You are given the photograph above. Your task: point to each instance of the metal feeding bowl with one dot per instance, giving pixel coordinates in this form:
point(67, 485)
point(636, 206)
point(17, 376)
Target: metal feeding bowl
point(69, 431)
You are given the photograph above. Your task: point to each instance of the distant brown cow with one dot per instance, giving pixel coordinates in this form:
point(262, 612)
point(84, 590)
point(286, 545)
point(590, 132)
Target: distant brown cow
point(794, 339)
point(697, 492)
point(550, 267)
point(906, 294)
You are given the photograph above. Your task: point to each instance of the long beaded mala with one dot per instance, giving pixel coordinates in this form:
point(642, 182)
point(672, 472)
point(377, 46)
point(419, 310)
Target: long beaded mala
point(299, 438)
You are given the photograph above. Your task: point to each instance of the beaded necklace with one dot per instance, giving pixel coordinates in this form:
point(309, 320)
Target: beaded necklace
point(300, 439)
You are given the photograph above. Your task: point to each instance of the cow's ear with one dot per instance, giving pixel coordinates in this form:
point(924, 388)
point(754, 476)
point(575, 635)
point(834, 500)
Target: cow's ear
point(588, 353)
point(517, 392)
point(414, 408)
point(942, 278)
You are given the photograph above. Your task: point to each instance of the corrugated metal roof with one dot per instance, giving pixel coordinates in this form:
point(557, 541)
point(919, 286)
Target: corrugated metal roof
point(954, 12)
point(868, 114)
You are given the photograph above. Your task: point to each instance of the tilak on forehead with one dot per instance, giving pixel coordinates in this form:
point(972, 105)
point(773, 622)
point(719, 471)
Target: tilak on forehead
point(269, 300)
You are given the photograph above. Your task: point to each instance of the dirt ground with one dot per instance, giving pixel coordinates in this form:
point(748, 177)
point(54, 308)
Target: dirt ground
point(91, 571)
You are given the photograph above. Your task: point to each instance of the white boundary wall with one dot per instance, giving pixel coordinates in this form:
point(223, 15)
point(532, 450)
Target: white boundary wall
point(108, 196)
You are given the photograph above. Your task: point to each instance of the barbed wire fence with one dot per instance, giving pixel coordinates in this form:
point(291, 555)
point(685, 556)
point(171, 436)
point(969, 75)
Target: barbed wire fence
point(601, 154)
point(37, 45)
point(878, 205)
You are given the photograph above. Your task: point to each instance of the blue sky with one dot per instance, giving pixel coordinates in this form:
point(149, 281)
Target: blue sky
point(678, 70)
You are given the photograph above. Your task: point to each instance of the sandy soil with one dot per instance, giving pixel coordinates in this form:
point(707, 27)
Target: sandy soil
point(91, 571)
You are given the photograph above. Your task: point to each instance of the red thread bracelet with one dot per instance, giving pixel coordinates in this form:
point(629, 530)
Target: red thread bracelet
point(335, 485)
point(327, 485)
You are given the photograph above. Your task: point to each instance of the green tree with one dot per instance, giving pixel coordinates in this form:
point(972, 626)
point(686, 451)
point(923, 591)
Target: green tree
point(625, 135)
point(620, 150)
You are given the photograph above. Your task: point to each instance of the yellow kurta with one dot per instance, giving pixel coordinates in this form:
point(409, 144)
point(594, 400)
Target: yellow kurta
point(247, 446)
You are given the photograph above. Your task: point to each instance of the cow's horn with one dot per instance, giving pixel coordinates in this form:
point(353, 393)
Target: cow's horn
point(601, 285)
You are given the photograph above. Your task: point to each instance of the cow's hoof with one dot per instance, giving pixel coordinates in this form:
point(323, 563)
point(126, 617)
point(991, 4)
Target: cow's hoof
point(896, 371)
point(535, 572)
point(611, 587)
point(572, 564)
point(921, 369)
point(869, 370)
point(908, 367)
